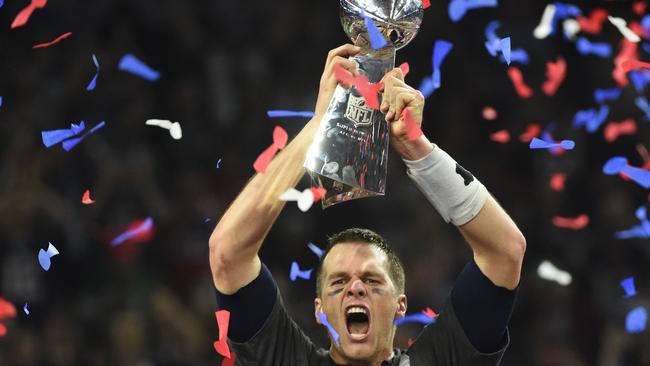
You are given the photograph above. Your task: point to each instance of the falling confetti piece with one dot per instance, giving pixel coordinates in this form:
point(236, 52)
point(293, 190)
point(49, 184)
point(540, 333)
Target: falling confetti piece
point(573, 223)
point(323, 319)
point(7, 309)
point(305, 199)
point(429, 312)
point(628, 286)
point(613, 130)
point(139, 231)
point(363, 86)
point(636, 320)
point(629, 65)
point(604, 95)
point(501, 136)
point(318, 251)
point(517, 78)
point(555, 74)
point(621, 24)
point(229, 361)
point(221, 344)
point(280, 138)
point(557, 182)
point(458, 8)
point(377, 40)
point(532, 130)
point(93, 83)
point(414, 318)
point(44, 257)
point(536, 143)
point(53, 137)
point(25, 309)
point(585, 47)
point(218, 162)
point(174, 128)
point(618, 164)
point(71, 143)
point(500, 45)
point(86, 200)
point(639, 7)
point(489, 113)
point(643, 105)
point(545, 27)
point(594, 23)
point(133, 65)
point(57, 40)
point(282, 114)
point(591, 119)
point(549, 272)
point(296, 272)
point(23, 16)
point(426, 4)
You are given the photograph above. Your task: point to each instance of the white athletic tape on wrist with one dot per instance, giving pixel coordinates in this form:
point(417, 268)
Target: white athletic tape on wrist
point(455, 193)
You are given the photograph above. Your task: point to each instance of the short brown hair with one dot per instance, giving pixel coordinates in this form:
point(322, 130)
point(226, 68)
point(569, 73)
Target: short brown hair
point(357, 235)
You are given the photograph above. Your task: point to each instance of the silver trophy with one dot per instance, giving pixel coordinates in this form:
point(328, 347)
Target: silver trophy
point(349, 154)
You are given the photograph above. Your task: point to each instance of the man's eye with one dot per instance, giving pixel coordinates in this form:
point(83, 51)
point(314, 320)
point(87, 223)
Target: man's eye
point(373, 281)
point(338, 282)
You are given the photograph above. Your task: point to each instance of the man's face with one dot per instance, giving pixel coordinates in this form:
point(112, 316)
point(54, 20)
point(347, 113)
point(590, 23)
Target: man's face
point(360, 301)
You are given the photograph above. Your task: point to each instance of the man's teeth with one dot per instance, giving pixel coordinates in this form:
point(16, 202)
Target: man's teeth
point(356, 309)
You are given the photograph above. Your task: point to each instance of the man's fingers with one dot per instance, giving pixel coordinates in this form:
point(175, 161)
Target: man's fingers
point(402, 101)
point(346, 50)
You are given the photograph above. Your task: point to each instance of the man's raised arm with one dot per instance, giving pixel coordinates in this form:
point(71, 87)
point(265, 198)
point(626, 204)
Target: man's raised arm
point(238, 236)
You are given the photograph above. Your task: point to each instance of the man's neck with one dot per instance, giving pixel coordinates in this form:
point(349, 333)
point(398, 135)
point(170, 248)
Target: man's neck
point(341, 360)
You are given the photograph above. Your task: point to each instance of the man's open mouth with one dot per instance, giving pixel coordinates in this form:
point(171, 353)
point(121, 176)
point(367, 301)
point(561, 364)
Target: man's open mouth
point(358, 321)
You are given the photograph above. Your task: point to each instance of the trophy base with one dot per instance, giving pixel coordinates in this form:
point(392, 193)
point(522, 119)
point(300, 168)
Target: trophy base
point(338, 192)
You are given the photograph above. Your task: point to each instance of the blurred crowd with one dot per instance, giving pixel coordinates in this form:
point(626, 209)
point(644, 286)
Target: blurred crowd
point(223, 64)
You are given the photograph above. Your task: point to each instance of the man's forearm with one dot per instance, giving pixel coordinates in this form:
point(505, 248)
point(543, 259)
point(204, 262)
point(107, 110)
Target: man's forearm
point(239, 234)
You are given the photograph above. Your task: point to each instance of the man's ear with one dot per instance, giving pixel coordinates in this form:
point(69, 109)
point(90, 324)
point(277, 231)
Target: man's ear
point(317, 309)
point(402, 305)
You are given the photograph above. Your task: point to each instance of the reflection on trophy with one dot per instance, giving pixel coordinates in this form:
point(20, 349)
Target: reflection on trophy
point(349, 155)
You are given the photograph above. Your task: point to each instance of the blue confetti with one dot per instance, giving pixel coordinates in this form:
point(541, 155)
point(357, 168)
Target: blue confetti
point(591, 118)
point(318, 251)
point(0, 101)
point(604, 95)
point(636, 320)
point(377, 39)
point(2, 2)
point(519, 55)
point(133, 65)
point(414, 318)
point(218, 162)
point(426, 86)
point(643, 105)
point(281, 113)
point(563, 11)
point(296, 272)
point(93, 82)
point(44, 257)
point(585, 47)
point(458, 8)
point(25, 309)
point(53, 137)
point(71, 143)
point(536, 143)
point(499, 45)
point(323, 319)
point(440, 51)
point(640, 79)
point(618, 164)
point(129, 234)
point(628, 286)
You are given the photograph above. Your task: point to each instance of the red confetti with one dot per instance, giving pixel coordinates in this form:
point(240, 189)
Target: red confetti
point(7, 309)
point(280, 139)
point(318, 192)
point(221, 345)
point(405, 68)
point(23, 16)
point(412, 129)
point(557, 182)
point(639, 7)
point(489, 113)
point(533, 130)
point(555, 73)
point(57, 40)
point(3, 330)
point(517, 78)
point(638, 29)
point(594, 23)
point(229, 361)
point(430, 313)
point(368, 91)
point(86, 200)
point(629, 65)
point(577, 223)
point(629, 51)
point(613, 130)
point(501, 136)
point(426, 4)
point(410, 342)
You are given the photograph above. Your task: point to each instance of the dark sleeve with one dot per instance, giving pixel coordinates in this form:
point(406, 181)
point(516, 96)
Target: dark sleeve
point(482, 308)
point(261, 333)
point(250, 306)
point(447, 340)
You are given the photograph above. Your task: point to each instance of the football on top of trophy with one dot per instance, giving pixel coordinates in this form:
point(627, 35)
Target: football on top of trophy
point(398, 20)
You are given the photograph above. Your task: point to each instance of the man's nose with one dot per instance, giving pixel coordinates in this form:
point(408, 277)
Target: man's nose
point(357, 288)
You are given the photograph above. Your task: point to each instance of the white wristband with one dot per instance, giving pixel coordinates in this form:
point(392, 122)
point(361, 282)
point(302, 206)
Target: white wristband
point(451, 189)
